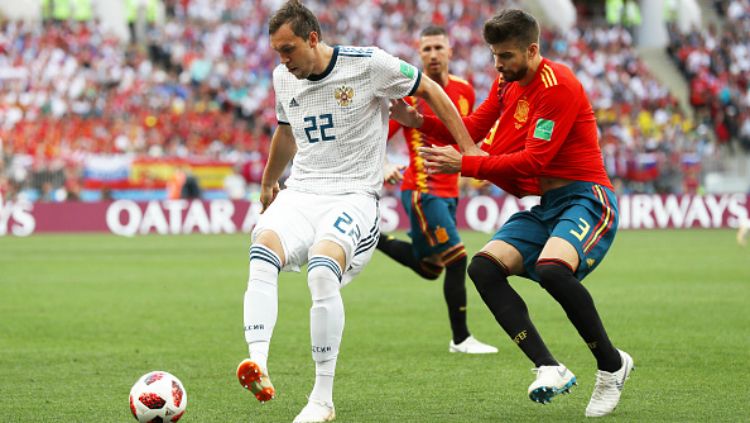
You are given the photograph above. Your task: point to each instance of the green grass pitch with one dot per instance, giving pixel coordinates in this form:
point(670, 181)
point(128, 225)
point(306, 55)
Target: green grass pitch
point(83, 316)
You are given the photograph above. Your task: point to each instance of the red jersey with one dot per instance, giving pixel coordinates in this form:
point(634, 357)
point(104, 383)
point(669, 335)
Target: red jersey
point(416, 177)
point(544, 129)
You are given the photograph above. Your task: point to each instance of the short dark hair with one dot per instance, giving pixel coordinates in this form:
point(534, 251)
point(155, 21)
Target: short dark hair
point(512, 25)
point(433, 30)
point(300, 19)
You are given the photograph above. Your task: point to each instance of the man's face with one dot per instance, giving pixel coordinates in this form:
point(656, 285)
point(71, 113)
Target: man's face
point(510, 60)
point(435, 52)
point(296, 53)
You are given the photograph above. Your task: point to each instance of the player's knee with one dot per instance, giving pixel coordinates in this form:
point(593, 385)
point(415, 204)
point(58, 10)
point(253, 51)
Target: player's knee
point(263, 269)
point(484, 271)
point(457, 263)
point(554, 275)
point(269, 240)
point(455, 273)
point(429, 269)
point(323, 278)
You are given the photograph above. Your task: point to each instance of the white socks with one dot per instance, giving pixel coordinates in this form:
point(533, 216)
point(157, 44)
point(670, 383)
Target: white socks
point(261, 302)
point(326, 314)
point(323, 389)
point(326, 323)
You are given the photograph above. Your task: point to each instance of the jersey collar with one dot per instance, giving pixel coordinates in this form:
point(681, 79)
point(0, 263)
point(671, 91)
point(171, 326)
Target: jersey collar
point(328, 70)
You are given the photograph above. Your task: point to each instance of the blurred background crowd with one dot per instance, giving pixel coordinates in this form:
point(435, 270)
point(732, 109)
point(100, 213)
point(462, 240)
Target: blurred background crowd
point(183, 105)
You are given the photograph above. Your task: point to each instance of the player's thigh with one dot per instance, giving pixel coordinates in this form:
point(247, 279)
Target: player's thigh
point(521, 238)
point(329, 249)
point(433, 223)
point(288, 218)
point(352, 223)
point(560, 249)
point(588, 226)
point(506, 254)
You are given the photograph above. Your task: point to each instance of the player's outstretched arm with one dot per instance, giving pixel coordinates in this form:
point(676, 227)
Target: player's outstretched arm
point(444, 109)
point(405, 115)
point(283, 149)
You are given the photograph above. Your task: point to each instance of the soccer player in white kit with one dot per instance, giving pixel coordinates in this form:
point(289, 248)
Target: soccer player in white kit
point(332, 108)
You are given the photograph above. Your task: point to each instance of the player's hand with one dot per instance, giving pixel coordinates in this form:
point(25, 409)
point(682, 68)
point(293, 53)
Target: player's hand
point(441, 159)
point(405, 114)
point(268, 194)
point(392, 173)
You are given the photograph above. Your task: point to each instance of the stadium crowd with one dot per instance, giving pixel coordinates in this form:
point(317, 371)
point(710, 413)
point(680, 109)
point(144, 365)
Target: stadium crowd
point(716, 61)
point(198, 88)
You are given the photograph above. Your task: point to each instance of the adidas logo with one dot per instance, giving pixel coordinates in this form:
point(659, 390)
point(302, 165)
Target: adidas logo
point(293, 103)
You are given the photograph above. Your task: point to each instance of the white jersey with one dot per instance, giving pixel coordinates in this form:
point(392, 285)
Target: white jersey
point(340, 119)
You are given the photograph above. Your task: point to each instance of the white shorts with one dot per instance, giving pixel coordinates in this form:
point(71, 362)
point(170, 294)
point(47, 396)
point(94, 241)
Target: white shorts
point(303, 219)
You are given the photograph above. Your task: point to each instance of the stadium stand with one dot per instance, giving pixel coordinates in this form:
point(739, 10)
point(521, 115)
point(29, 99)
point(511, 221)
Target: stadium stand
point(87, 116)
point(716, 61)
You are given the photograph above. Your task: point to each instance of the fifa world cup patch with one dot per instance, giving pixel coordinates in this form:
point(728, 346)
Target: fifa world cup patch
point(543, 129)
point(407, 70)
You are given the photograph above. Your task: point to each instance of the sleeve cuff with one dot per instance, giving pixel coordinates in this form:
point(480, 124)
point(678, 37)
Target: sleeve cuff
point(416, 83)
point(470, 166)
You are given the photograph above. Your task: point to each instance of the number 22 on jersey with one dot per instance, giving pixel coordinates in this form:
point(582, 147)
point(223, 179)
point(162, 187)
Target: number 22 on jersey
point(316, 127)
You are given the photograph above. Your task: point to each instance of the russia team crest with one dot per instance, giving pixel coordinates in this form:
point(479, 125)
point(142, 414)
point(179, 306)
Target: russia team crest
point(344, 95)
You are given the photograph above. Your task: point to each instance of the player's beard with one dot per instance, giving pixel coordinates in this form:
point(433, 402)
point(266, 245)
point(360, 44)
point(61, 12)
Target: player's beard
point(512, 76)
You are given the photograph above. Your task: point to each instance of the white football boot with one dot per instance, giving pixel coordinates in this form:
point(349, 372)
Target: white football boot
point(551, 381)
point(316, 412)
point(471, 345)
point(254, 379)
point(608, 388)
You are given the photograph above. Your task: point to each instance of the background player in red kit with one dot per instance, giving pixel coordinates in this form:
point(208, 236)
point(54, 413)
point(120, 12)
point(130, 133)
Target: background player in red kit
point(541, 137)
point(430, 200)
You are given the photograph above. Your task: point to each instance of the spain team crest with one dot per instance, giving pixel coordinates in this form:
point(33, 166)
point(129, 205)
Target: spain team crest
point(463, 106)
point(344, 95)
point(522, 113)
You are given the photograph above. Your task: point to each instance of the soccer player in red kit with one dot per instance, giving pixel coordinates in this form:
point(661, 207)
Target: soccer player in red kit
point(430, 200)
point(541, 136)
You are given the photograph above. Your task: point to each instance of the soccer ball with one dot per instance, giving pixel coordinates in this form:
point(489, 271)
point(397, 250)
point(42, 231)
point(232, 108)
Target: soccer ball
point(158, 397)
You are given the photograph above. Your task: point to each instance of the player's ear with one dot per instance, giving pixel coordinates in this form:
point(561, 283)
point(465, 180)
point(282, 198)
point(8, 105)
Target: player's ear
point(533, 50)
point(312, 39)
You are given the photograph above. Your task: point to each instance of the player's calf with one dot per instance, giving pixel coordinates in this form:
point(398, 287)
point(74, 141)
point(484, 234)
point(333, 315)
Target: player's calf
point(403, 252)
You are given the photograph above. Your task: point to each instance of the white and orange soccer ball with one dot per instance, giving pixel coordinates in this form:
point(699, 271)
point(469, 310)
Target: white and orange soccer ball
point(158, 397)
